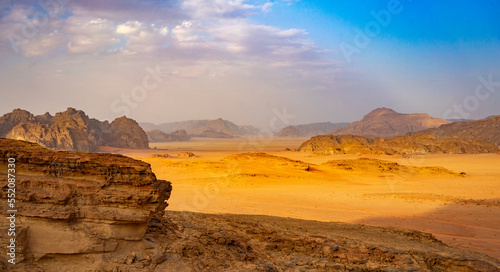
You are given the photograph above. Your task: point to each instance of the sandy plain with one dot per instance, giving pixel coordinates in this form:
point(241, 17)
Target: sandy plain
point(462, 211)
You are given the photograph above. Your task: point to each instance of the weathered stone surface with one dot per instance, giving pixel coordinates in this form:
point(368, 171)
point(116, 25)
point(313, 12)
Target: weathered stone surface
point(78, 203)
point(72, 130)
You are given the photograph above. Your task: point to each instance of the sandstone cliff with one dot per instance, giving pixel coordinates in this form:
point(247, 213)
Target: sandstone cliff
point(403, 145)
point(487, 130)
point(72, 130)
point(387, 123)
point(76, 206)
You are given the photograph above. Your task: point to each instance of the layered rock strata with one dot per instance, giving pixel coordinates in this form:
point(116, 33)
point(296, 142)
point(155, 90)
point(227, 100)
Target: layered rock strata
point(76, 204)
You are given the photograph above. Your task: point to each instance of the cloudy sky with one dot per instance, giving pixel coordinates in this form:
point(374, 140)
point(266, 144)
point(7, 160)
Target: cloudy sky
point(250, 61)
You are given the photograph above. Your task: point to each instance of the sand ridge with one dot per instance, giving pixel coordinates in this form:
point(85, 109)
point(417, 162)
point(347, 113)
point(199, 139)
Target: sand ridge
point(462, 210)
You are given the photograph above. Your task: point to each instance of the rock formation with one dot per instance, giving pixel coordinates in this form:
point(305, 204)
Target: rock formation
point(158, 136)
point(386, 123)
point(72, 130)
point(218, 128)
point(126, 133)
point(308, 130)
point(487, 130)
point(74, 205)
point(403, 145)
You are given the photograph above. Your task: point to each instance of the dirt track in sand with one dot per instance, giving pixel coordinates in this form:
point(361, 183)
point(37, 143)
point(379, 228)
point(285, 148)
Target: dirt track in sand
point(461, 211)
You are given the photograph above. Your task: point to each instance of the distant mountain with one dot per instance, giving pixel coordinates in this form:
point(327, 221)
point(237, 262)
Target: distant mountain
point(308, 130)
point(387, 123)
point(459, 120)
point(218, 128)
point(72, 130)
point(158, 136)
point(487, 130)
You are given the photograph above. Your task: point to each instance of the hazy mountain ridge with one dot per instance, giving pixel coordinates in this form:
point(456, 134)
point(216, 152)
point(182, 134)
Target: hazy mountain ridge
point(217, 128)
point(157, 136)
point(307, 130)
point(72, 130)
point(387, 123)
point(487, 130)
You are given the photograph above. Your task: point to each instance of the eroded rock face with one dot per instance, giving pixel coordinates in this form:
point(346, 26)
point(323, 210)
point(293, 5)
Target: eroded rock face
point(72, 130)
point(77, 203)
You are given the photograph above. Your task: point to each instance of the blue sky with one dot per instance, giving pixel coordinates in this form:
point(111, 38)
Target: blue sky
point(246, 60)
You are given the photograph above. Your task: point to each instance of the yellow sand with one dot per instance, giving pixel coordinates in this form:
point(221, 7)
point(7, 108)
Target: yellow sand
point(461, 211)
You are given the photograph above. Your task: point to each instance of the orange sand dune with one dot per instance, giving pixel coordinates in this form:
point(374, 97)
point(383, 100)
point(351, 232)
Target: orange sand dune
point(463, 211)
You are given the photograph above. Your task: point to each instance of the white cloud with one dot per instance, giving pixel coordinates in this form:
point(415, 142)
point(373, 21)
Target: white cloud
point(141, 37)
point(203, 9)
point(90, 35)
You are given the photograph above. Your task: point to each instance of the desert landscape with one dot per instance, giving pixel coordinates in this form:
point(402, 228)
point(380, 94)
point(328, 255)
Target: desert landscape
point(462, 210)
point(282, 202)
point(249, 135)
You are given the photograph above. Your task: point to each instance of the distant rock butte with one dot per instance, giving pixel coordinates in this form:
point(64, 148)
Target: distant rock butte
point(403, 145)
point(218, 128)
point(78, 203)
point(387, 123)
point(158, 136)
point(308, 130)
point(487, 130)
point(72, 130)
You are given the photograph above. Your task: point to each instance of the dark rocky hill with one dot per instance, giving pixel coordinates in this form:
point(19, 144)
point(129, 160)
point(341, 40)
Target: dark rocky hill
point(487, 130)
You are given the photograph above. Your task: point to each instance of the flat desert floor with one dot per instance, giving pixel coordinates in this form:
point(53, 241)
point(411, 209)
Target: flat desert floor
point(461, 210)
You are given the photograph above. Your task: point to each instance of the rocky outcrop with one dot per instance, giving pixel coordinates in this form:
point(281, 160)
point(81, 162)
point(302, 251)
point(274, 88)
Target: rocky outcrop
point(387, 123)
point(72, 130)
point(403, 145)
point(126, 133)
point(158, 136)
point(77, 204)
point(487, 130)
point(308, 130)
